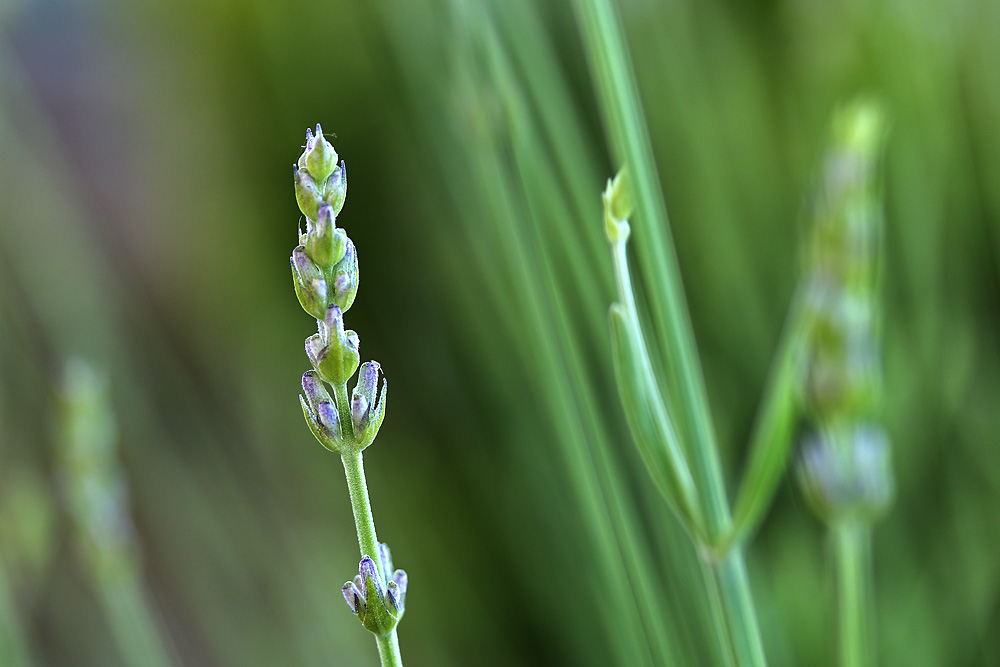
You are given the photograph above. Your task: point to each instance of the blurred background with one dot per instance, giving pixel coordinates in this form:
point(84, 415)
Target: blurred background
point(146, 218)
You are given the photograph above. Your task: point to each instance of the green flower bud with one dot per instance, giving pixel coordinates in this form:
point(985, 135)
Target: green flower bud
point(335, 188)
point(367, 597)
point(325, 243)
point(333, 352)
point(306, 193)
point(366, 414)
point(345, 278)
point(319, 156)
point(310, 286)
point(320, 412)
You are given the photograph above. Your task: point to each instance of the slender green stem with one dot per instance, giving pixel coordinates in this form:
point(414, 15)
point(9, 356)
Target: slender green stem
point(388, 650)
point(354, 469)
point(852, 551)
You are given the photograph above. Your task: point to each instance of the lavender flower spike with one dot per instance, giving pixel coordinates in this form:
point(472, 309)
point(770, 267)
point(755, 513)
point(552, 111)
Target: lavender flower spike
point(326, 277)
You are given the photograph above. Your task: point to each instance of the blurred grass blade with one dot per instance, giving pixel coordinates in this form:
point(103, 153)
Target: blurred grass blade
point(774, 430)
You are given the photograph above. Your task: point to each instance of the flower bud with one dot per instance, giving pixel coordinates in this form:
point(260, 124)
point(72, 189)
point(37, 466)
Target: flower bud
point(346, 278)
point(333, 352)
point(307, 194)
point(385, 560)
point(309, 284)
point(335, 188)
point(377, 599)
point(325, 244)
point(366, 414)
point(320, 412)
point(319, 156)
point(359, 411)
point(355, 600)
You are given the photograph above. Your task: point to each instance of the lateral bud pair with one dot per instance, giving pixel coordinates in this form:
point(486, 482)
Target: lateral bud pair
point(320, 285)
point(377, 595)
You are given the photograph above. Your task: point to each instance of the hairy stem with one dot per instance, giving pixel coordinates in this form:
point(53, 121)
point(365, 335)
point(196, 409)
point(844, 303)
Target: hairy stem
point(354, 469)
point(388, 650)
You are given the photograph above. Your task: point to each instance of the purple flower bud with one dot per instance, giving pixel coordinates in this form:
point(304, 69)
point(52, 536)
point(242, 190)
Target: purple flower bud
point(368, 380)
point(326, 413)
point(355, 600)
point(341, 286)
point(385, 560)
point(334, 321)
point(370, 575)
point(394, 597)
point(309, 284)
point(399, 577)
point(359, 412)
point(353, 340)
point(315, 349)
point(314, 390)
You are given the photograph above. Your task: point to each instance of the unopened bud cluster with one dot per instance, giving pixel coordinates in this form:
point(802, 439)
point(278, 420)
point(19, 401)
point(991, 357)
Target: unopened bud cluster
point(325, 276)
point(845, 469)
point(378, 593)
